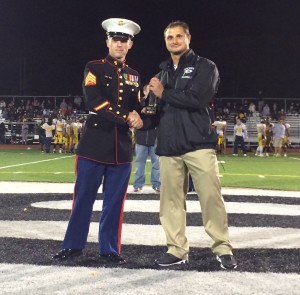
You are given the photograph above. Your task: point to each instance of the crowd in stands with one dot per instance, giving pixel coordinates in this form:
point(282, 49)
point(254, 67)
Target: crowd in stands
point(16, 110)
point(23, 110)
point(24, 115)
point(29, 108)
point(273, 110)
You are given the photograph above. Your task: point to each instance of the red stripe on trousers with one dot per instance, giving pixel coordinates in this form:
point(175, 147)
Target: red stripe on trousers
point(76, 172)
point(120, 224)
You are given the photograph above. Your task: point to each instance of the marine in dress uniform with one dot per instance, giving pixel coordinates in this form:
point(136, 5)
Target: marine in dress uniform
point(104, 154)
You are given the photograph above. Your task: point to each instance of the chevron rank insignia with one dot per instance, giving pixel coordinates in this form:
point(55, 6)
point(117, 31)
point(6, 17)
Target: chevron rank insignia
point(90, 79)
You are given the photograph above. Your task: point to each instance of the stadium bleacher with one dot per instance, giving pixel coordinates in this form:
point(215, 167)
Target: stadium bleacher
point(251, 141)
point(13, 133)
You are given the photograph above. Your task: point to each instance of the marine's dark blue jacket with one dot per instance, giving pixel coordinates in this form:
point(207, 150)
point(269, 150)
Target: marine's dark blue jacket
point(111, 91)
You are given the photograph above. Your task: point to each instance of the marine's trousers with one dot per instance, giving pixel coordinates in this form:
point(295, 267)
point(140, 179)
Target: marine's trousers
point(89, 178)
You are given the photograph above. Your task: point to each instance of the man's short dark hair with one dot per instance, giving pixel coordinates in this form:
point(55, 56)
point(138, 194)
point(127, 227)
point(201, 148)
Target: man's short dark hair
point(178, 23)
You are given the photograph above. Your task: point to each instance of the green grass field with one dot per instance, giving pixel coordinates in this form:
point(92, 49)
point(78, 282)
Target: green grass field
point(250, 172)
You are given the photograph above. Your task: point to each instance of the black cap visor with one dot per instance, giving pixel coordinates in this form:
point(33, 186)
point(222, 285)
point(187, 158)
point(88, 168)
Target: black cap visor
point(119, 36)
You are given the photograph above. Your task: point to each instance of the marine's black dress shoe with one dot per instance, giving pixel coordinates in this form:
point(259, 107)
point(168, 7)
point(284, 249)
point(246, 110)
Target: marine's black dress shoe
point(65, 254)
point(112, 258)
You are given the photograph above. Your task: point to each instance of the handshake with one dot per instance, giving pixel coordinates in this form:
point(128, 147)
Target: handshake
point(134, 120)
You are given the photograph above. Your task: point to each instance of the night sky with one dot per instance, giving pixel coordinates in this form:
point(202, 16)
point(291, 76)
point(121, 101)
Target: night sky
point(45, 44)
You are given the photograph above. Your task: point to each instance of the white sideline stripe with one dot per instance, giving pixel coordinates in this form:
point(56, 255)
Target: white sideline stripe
point(9, 187)
point(35, 162)
point(136, 234)
point(62, 280)
point(266, 175)
point(192, 207)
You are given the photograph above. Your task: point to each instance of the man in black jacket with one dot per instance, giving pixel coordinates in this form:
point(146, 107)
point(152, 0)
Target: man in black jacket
point(186, 143)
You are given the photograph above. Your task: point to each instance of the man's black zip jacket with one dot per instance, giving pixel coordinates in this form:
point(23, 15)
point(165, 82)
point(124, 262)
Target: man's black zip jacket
point(184, 116)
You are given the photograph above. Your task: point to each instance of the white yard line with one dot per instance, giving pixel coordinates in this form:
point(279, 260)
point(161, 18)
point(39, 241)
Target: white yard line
point(106, 281)
point(265, 175)
point(9, 187)
point(153, 235)
point(35, 162)
point(295, 158)
point(63, 280)
point(152, 206)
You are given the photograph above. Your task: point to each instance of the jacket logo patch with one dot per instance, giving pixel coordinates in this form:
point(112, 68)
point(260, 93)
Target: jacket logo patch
point(187, 71)
point(90, 80)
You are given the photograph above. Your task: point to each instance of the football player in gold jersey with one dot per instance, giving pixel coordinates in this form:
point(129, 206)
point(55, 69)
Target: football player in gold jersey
point(58, 136)
point(261, 136)
point(220, 127)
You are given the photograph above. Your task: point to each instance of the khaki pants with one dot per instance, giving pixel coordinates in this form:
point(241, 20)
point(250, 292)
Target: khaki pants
point(203, 167)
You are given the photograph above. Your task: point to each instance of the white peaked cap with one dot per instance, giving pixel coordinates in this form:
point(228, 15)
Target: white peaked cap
point(121, 27)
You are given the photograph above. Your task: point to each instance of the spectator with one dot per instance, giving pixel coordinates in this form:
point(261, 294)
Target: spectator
point(226, 111)
point(291, 110)
point(24, 131)
point(2, 104)
point(63, 107)
point(278, 135)
point(49, 104)
point(145, 146)
point(245, 107)
point(251, 109)
point(4, 113)
point(77, 102)
point(269, 138)
point(235, 107)
point(286, 142)
point(281, 114)
point(2, 133)
point(297, 108)
point(266, 110)
point(36, 104)
point(28, 105)
point(42, 136)
point(260, 101)
point(274, 111)
point(69, 109)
